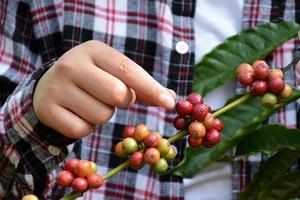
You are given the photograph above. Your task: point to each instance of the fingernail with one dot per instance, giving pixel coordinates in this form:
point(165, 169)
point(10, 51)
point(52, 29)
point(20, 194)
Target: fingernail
point(166, 100)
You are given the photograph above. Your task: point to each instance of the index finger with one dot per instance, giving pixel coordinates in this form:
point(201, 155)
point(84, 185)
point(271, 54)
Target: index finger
point(131, 74)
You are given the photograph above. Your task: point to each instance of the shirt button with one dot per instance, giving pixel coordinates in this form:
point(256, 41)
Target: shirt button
point(182, 47)
point(55, 151)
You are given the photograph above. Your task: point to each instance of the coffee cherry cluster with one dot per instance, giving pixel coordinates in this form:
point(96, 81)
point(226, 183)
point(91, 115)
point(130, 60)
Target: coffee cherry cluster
point(81, 175)
point(265, 82)
point(197, 119)
point(145, 146)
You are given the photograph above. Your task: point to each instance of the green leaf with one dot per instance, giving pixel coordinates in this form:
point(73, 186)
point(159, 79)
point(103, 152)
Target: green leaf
point(239, 121)
point(276, 165)
point(269, 138)
point(218, 66)
point(282, 187)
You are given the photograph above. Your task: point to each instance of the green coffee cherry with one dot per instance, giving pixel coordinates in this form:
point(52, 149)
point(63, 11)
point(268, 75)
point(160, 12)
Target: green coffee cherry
point(160, 167)
point(129, 145)
point(163, 146)
point(268, 100)
point(171, 154)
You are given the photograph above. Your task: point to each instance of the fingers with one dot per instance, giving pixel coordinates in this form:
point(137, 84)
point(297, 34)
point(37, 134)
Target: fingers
point(133, 75)
point(86, 106)
point(66, 122)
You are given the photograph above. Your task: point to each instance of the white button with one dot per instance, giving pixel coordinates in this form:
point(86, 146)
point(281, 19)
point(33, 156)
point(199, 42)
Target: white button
point(55, 151)
point(182, 47)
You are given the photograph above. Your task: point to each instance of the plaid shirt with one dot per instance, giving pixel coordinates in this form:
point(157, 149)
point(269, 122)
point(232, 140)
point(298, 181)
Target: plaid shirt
point(33, 33)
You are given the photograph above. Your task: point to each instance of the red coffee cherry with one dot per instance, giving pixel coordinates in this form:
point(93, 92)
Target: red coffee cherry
point(258, 88)
point(194, 143)
point(276, 73)
point(276, 85)
point(151, 156)
point(209, 121)
point(65, 178)
point(119, 149)
point(137, 160)
point(183, 107)
point(199, 112)
point(205, 144)
point(197, 130)
point(212, 137)
point(243, 68)
point(94, 180)
point(79, 184)
point(246, 78)
point(194, 98)
point(261, 70)
point(151, 140)
point(83, 168)
point(70, 164)
point(218, 124)
point(180, 123)
point(128, 131)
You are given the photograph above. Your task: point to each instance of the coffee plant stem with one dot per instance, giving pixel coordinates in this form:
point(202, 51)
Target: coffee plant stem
point(119, 168)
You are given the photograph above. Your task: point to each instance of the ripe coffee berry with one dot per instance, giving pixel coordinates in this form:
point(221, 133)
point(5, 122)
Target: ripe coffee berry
point(194, 143)
point(94, 181)
point(151, 156)
point(246, 78)
point(212, 137)
point(83, 168)
point(183, 107)
point(65, 178)
point(163, 146)
point(194, 98)
point(180, 123)
point(141, 131)
point(258, 88)
point(261, 70)
point(129, 145)
point(286, 92)
point(199, 112)
point(79, 184)
point(205, 144)
point(137, 160)
point(160, 167)
point(119, 149)
point(209, 121)
point(268, 100)
point(218, 125)
point(197, 130)
point(275, 73)
point(243, 68)
point(70, 164)
point(128, 131)
point(276, 85)
point(151, 140)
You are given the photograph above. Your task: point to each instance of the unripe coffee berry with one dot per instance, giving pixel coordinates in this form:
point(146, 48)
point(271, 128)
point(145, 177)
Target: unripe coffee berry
point(180, 123)
point(128, 131)
point(286, 92)
point(209, 121)
point(171, 154)
point(183, 107)
point(163, 146)
point(243, 68)
point(151, 140)
point(261, 70)
point(129, 145)
point(212, 137)
point(196, 130)
point(199, 112)
point(137, 160)
point(160, 167)
point(268, 100)
point(93, 167)
point(258, 88)
point(276, 85)
point(119, 149)
point(194, 143)
point(194, 98)
point(65, 178)
point(151, 156)
point(246, 78)
point(141, 131)
point(275, 73)
point(30, 197)
point(79, 184)
point(156, 133)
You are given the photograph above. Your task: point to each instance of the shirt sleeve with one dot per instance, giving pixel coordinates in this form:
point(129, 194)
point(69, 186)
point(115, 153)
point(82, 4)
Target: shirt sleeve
point(29, 150)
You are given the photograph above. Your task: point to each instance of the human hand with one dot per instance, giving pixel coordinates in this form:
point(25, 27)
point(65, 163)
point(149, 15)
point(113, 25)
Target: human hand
point(82, 89)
